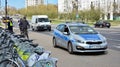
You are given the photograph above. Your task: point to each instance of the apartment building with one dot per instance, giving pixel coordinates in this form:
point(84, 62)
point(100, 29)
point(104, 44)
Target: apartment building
point(33, 2)
point(64, 6)
point(106, 6)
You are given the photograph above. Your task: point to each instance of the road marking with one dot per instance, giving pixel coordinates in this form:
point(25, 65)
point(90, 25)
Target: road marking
point(112, 33)
point(113, 39)
point(118, 46)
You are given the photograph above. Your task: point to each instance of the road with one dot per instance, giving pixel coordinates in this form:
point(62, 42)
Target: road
point(113, 37)
point(110, 59)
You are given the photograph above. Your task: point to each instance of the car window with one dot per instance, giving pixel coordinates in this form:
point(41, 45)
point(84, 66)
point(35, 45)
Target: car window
point(100, 22)
point(61, 27)
point(43, 20)
point(82, 30)
point(58, 27)
point(106, 22)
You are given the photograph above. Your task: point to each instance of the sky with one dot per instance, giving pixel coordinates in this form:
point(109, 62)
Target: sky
point(21, 3)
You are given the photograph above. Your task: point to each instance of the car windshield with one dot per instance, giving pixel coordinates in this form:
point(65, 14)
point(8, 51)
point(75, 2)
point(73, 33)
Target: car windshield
point(82, 30)
point(43, 20)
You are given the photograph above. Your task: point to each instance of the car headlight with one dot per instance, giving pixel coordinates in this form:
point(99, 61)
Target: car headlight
point(79, 41)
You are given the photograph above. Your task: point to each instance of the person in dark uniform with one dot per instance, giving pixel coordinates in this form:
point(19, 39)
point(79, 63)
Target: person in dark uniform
point(20, 25)
point(24, 25)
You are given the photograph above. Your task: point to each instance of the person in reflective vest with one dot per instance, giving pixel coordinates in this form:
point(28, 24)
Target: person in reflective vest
point(10, 25)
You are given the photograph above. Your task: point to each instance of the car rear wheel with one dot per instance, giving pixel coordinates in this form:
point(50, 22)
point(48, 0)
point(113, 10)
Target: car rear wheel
point(33, 28)
point(49, 29)
point(70, 48)
point(108, 26)
point(54, 43)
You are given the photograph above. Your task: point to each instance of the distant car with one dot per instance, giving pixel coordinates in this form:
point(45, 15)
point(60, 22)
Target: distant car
point(78, 37)
point(102, 24)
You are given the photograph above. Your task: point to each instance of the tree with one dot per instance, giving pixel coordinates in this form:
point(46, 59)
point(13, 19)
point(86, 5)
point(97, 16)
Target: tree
point(50, 10)
point(115, 7)
point(11, 10)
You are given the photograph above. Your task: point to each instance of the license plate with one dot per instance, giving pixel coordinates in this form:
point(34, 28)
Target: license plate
point(94, 46)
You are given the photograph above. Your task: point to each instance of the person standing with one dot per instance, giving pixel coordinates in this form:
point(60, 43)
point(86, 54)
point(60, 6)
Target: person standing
point(20, 23)
point(24, 25)
point(10, 25)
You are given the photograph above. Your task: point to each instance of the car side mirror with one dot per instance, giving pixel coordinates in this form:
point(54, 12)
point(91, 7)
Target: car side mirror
point(50, 21)
point(65, 33)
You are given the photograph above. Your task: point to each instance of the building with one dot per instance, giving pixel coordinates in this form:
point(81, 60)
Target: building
point(33, 2)
point(106, 6)
point(64, 6)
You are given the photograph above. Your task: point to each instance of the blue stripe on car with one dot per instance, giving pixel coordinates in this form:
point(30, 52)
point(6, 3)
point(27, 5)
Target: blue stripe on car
point(61, 36)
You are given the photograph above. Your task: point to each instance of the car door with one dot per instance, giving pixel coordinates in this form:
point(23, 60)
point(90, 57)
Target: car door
point(58, 34)
point(65, 36)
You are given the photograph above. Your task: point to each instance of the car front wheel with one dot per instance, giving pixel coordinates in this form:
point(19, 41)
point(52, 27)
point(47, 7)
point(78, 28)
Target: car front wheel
point(70, 48)
point(54, 43)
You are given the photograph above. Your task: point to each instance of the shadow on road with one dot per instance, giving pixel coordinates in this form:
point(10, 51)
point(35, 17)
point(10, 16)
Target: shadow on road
point(91, 53)
point(86, 53)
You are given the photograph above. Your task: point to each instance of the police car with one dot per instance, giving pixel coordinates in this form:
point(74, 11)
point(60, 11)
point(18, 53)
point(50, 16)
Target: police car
point(78, 37)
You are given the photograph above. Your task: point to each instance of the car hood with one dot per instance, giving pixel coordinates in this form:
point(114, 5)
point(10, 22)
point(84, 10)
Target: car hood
point(88, 37)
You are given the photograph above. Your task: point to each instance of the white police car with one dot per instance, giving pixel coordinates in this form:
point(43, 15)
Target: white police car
point(78, 37)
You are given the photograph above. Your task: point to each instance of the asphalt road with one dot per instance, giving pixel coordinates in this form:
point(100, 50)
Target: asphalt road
point(113, 37)
point(110, 59)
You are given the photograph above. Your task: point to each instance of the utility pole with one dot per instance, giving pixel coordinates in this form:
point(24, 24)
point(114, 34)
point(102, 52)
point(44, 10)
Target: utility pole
point(6, 13)
point(77, 15)
point(66, 9)
point(0, 8)
point(0, 4)
point(5, 8)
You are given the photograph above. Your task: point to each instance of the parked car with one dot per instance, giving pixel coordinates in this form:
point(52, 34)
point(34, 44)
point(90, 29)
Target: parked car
point(78, 37)
point(102, 23)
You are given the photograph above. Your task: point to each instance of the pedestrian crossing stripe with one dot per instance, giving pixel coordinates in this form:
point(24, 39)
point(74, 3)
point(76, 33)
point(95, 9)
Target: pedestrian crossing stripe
point(118, 46)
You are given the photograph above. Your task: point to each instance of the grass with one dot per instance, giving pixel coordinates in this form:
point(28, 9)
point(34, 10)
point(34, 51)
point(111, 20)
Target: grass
point(113, 23)
point(62, 21)
point(56, 22)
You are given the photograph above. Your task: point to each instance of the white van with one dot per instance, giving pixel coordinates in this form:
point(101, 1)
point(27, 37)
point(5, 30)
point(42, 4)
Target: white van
point(40, 22)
